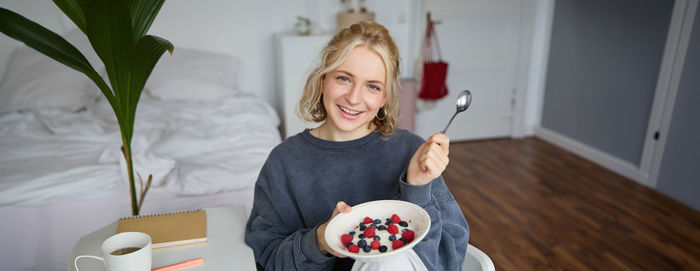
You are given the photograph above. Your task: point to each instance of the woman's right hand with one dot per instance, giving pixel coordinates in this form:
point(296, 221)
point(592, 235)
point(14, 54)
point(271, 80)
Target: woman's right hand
point(429, 161)
point(340, 207)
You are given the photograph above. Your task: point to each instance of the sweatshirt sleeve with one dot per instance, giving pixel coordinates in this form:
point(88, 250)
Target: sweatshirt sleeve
point(281, 243)
point(445, 245)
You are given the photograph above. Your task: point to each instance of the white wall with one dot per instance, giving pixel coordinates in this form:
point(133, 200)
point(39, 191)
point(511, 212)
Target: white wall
point(246, 30)
point(537, 56)
point(242, 28)
point(396, 15)
point(41, 11)
point(248, 35)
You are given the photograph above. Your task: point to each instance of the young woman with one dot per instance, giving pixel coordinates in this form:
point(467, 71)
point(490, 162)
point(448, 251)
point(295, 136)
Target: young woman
point(356, 155)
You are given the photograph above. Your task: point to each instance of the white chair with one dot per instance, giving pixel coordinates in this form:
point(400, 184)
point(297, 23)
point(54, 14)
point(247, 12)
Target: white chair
point(477, 260)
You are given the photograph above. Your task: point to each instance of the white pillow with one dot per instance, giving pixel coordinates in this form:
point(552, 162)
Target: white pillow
point(34, 81)
point(193, 75)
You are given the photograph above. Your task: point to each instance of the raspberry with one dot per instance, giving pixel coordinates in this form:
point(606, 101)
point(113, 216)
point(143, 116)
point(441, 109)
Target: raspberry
point(368, 239)
point(392, 229)
point(395, 218)
point(408, 235)
point(354, 249)
point(395, 244)
point(369, 232)
point(345, 239)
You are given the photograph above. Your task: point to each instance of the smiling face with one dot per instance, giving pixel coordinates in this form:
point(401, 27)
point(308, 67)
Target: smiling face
point(353, 93)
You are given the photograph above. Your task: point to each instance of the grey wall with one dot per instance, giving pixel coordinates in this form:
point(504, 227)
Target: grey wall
point(605, 57)
point(680, 176)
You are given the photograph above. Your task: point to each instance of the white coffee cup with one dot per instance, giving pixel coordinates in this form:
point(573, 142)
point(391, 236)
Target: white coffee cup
point(124, 251)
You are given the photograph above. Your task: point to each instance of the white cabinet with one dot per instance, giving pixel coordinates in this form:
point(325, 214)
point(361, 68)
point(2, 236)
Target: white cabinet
point(296, 57)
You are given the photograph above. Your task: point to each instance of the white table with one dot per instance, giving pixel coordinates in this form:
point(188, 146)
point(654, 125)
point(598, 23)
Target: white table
point(225, 248)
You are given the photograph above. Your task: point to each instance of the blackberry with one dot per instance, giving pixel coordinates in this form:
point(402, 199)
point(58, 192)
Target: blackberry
point(403, 224)
point(382, 249)
point(381, 228)
point(392, 237)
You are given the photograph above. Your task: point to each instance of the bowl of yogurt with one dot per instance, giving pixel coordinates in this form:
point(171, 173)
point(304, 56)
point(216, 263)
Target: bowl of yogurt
point(377, 229)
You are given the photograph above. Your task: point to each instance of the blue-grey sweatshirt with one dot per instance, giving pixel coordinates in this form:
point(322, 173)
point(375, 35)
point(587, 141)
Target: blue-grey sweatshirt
point(303, 179)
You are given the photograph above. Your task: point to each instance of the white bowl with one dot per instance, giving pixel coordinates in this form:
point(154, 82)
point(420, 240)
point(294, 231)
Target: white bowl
point(418, 219)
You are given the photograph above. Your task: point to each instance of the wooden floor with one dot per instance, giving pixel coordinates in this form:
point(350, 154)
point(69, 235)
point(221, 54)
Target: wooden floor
point(533, 206)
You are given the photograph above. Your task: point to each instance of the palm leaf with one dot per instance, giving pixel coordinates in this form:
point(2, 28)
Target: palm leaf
point(50, 44)
point(142, 15)
point(116, 30)
point(74, 11)
point(147, 52)
point(109, 32)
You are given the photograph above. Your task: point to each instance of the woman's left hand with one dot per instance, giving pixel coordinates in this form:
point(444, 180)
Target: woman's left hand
point(429, 161)
point(340, 207)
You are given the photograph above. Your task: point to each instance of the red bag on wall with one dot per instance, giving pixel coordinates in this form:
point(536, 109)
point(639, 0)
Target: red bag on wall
point(434, 81)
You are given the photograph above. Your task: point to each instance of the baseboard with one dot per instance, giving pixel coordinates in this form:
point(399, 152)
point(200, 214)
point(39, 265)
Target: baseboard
point(529, 130)
point(605, 160)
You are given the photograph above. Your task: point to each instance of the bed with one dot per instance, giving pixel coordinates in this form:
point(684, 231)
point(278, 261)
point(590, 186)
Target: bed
point(62, 174)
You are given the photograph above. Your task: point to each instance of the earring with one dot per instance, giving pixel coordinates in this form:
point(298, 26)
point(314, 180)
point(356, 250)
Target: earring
point(384, 111)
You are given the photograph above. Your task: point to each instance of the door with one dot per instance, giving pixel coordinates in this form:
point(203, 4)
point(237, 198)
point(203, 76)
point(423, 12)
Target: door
point(479, 40)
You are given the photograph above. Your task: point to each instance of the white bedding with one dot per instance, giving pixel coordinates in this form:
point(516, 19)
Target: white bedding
point(62, 174)
point(190, 148)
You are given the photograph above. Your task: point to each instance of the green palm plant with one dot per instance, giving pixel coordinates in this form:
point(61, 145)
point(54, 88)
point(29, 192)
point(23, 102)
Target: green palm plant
point(117, 32)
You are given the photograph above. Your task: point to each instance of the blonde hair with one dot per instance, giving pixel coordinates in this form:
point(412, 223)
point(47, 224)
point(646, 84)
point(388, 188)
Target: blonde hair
point(375, 37)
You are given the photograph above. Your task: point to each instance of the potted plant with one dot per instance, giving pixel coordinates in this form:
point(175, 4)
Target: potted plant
point(117, 32)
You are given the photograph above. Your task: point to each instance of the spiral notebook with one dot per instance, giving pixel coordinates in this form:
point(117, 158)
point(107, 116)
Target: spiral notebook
point(169, 229)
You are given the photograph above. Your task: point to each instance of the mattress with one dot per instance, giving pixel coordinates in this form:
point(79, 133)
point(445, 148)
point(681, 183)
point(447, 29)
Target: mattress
point(189, 148)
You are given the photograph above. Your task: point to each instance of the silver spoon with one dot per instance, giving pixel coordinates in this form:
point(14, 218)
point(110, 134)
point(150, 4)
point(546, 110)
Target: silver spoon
point(463, 101)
